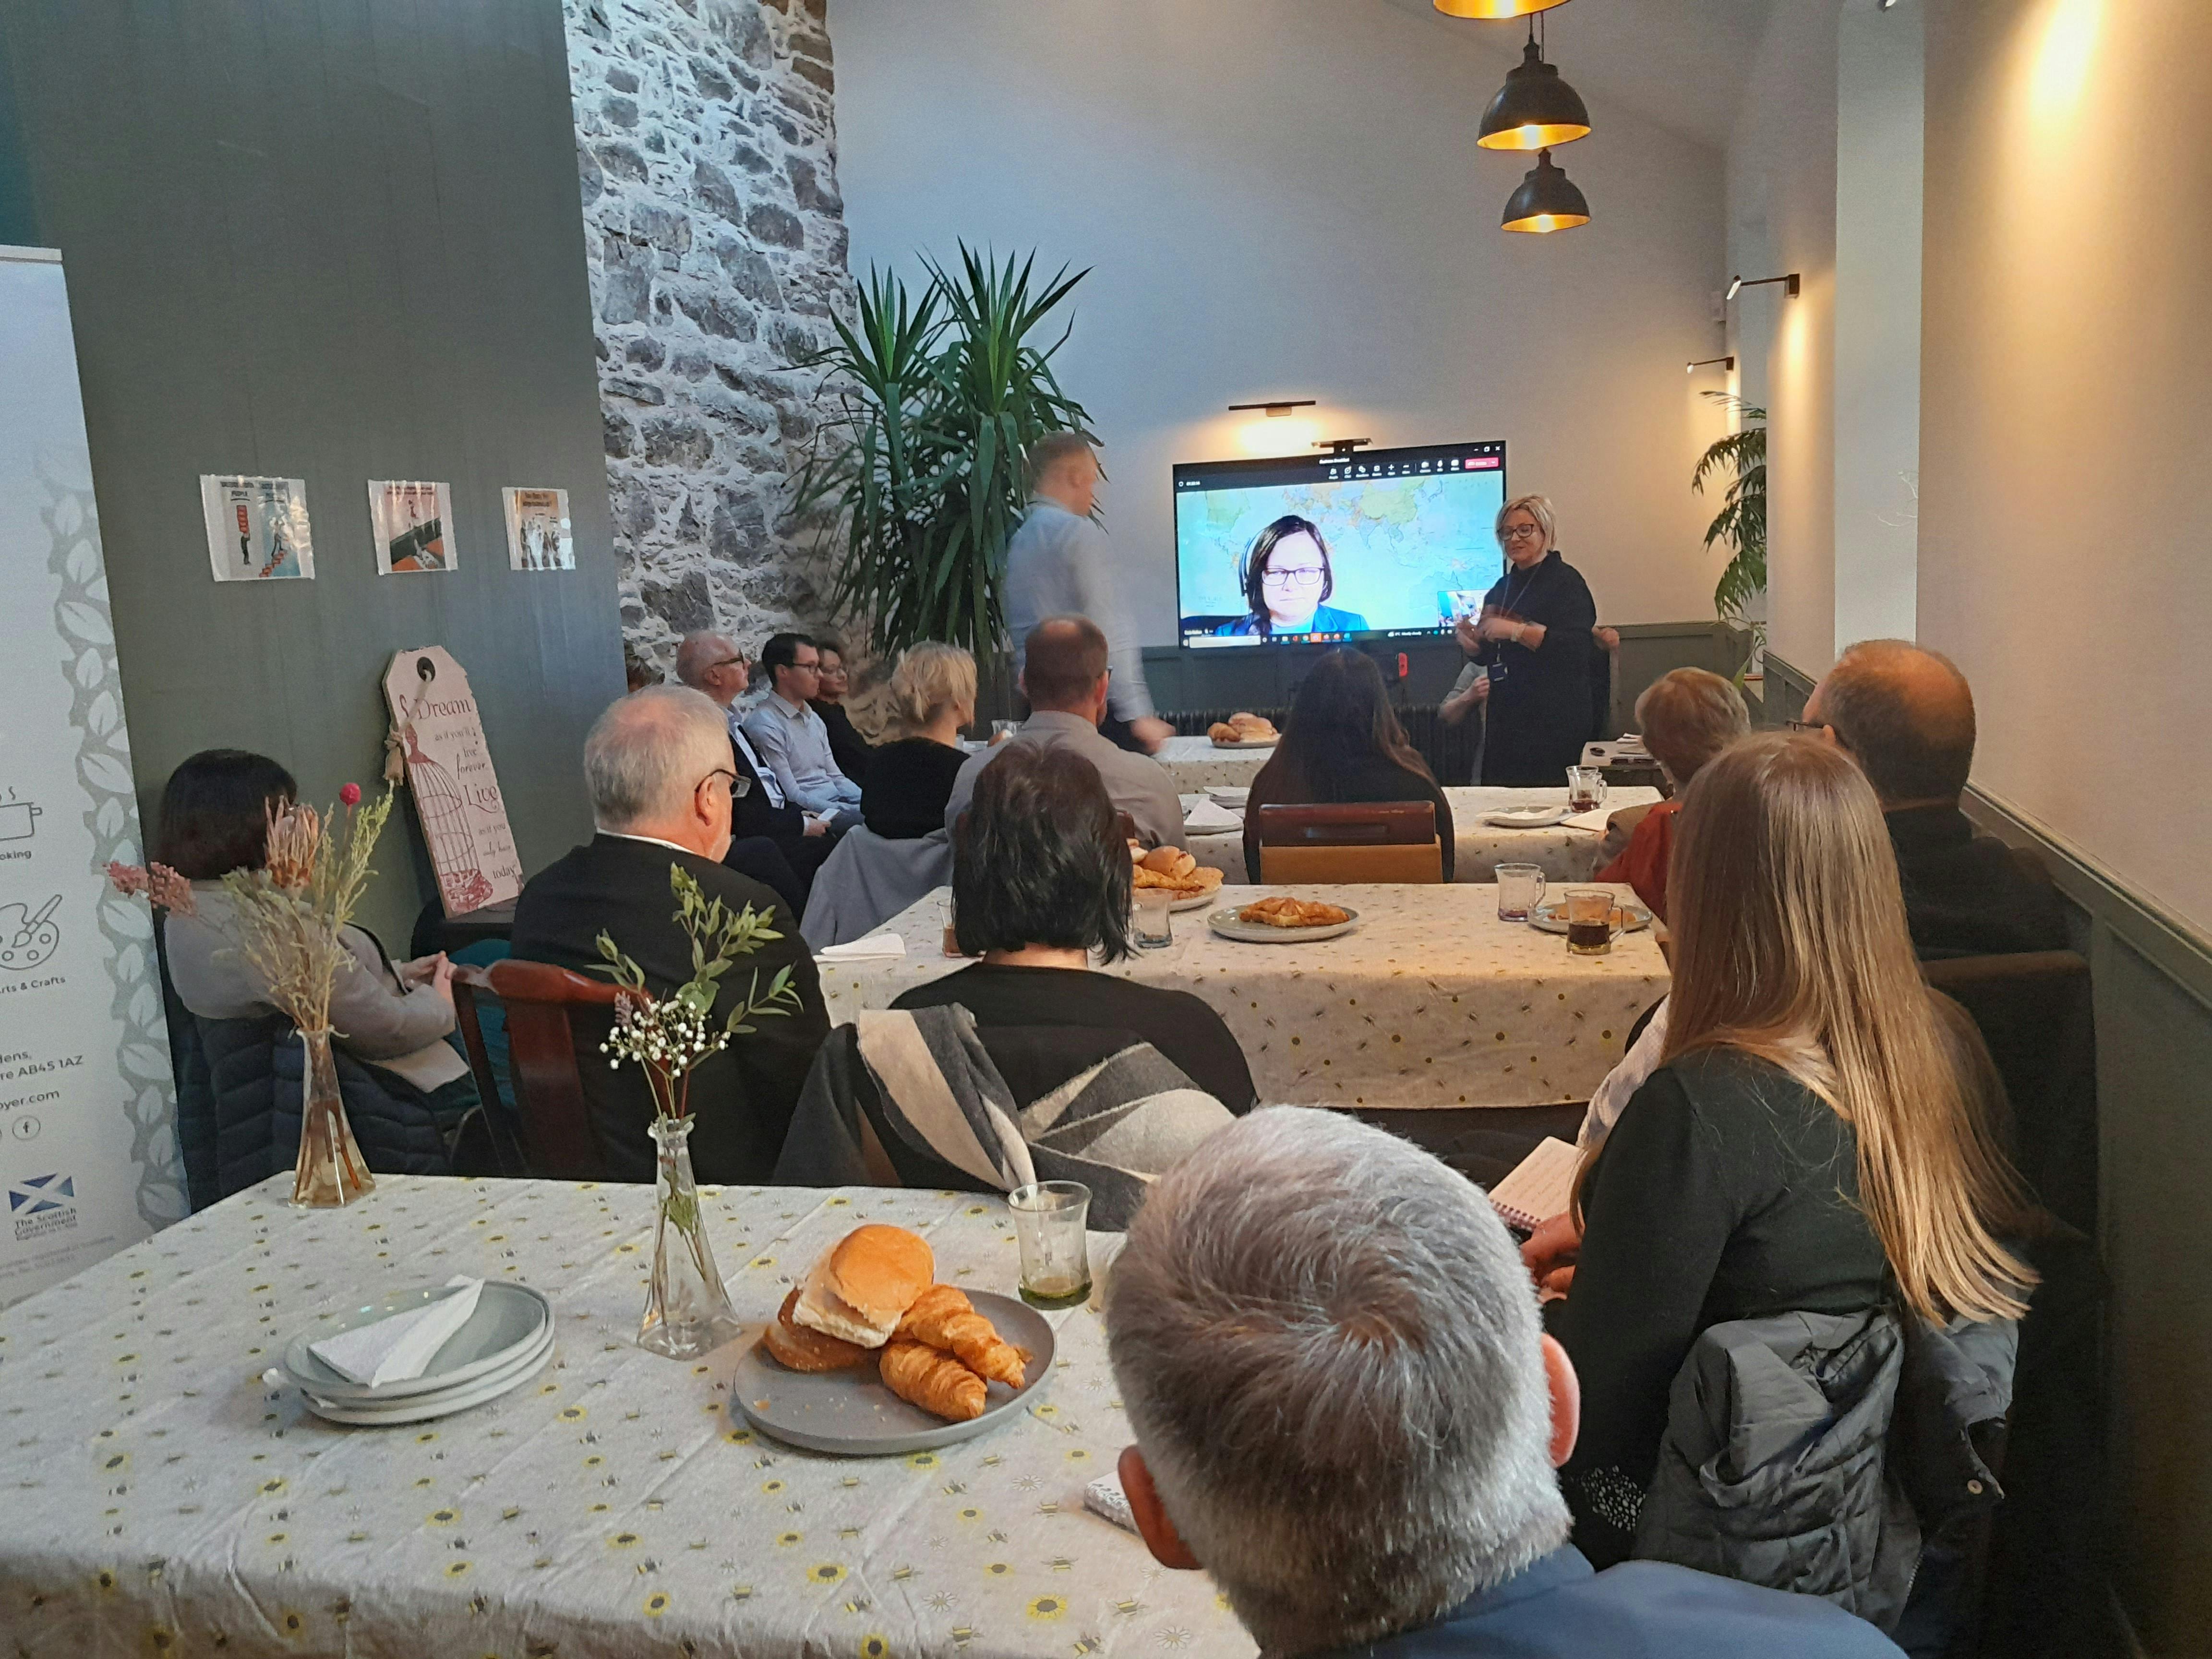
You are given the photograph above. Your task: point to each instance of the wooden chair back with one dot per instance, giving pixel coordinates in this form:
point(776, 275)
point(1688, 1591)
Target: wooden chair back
point(549, 1087)
point(1363, 842)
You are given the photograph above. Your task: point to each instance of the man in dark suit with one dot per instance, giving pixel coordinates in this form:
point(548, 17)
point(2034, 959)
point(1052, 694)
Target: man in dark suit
point(1906, 716)
point(713, 665)
point(1346, 1410)
point(658, 766)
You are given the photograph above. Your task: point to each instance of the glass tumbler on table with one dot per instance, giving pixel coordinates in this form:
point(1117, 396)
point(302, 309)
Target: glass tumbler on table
point(1589, 921)
point(1520, 890)
point(1049, 1221)
point(1149, 928)
point(1585, 788)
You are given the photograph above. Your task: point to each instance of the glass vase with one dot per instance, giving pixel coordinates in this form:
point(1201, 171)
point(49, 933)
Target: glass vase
point(687, 1312)
point(330, 1173)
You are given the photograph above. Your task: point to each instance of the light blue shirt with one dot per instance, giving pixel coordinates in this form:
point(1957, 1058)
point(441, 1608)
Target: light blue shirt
point(1060, 564)
point(795, 744)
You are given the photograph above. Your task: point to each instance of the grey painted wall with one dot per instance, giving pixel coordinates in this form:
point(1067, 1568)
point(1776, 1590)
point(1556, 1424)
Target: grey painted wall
point(334, 239)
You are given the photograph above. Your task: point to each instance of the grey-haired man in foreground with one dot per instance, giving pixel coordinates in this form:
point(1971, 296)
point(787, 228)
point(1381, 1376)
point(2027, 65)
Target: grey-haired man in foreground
point(1347, 1412)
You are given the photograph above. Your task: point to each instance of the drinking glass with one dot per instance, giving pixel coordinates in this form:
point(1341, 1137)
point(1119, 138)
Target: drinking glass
point(1049, 1218)
point(1520, 890)
point(1150, 928)
point(1589, 921)
point(1585, 788)
point(1002, 730)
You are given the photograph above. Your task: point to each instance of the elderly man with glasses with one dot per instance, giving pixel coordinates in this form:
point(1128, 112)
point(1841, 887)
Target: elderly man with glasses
point(657, 765)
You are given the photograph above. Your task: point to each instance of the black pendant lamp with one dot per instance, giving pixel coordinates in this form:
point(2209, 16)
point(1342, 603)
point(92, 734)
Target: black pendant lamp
point(1545, 201)
point(1534, 109)
point(1491, 8)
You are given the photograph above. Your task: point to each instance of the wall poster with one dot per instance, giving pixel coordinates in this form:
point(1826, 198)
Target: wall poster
point(257, 528)
point(537, 530)
point(449, 773)
point(88, 1158)
point(413, 525)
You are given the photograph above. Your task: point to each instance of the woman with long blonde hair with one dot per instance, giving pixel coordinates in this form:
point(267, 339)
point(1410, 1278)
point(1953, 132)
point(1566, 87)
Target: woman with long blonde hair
point(1810, 1141)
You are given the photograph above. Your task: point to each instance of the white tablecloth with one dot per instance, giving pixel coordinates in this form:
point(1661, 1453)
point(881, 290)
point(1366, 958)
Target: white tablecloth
point(1197, 764)
point(1565, 853)
point(1431, 1002)
point(160, 1499)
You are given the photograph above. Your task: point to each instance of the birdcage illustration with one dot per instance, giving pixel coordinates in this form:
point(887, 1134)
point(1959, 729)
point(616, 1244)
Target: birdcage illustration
point(445, 815)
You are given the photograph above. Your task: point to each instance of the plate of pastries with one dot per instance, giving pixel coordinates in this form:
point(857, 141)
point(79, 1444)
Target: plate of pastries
point(1283, 919)
point(1243, 731)
point(1170, 868)
point(870, 1357)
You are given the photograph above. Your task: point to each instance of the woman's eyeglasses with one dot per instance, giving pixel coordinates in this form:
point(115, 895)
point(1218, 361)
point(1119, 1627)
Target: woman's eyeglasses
point(1309, 576)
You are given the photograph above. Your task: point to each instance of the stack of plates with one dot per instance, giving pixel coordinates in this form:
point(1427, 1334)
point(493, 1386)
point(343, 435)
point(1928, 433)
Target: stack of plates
point(506, 1342)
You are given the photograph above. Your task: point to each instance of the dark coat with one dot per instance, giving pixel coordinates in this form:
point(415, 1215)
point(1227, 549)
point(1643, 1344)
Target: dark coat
point(741, 1099)
point(1968, 895)
point(847, 747)
point(1540, 710)
point(753, 815)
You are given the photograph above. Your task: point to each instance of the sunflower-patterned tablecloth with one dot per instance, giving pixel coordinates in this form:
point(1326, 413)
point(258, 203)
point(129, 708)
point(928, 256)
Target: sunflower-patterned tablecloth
point(157, 1496)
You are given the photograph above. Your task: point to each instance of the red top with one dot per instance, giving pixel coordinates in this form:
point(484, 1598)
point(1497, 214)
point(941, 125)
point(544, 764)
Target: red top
point(1642, 862)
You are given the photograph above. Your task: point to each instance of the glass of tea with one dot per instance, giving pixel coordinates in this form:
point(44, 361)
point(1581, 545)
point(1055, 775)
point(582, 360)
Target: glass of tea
point(1049, 1222)
point(1589, 921)
point(1519, 889)
point(1585, 788)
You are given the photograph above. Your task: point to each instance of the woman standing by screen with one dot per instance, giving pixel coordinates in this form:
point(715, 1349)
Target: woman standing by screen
point(1534, 637)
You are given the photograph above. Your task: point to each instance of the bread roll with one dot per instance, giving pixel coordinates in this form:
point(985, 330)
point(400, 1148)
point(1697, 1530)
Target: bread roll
point(858, 1291)
point(802, 1350)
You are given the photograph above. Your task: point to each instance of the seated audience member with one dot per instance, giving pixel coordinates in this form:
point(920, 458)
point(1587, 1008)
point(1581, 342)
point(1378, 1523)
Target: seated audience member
point(657, 765)
point(1346, 1412)
point(1040, 880)
point(1906, 716)
point(847, 747)
point(1808, 1144)
point(910, 777)
point(1686, 717)
point(1341, 741)
point(791, 739)
point(1066, 679)
point(712, 663)
point(392, 1016)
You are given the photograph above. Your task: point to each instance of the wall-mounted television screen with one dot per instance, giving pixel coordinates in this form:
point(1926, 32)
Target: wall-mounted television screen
point(1307, 552)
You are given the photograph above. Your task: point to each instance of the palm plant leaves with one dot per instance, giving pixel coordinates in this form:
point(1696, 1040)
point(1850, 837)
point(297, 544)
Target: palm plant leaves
point(1741, 521)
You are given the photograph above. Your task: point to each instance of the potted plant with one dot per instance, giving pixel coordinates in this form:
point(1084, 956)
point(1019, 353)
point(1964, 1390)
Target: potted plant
point(1741, 521)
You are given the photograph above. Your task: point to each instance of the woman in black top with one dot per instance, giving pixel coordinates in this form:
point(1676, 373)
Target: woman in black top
point(847, 747)
point(1815, 1140)
point(1535, 637)
point(1342, 743)
point(910, 777)
point(1040, 880)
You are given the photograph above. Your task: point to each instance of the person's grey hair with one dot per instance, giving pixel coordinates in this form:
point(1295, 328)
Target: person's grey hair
point(1688, 716)
point(647, 754)
point(1329, 1350)
point(699, 652)
point(1049, 451)
point(1538, 507)
point(929, 679)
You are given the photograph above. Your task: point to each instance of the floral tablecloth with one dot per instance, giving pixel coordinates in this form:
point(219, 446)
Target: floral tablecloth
point(156, 1495)
point(1431, 1002)
point(1564, 852)
point(1197, 764)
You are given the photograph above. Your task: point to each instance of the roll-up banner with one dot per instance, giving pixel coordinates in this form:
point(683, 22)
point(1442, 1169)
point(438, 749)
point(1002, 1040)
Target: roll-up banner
point(88, 1158)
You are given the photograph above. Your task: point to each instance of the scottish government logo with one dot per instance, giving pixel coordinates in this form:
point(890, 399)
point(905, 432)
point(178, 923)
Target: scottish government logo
point(42, 1205)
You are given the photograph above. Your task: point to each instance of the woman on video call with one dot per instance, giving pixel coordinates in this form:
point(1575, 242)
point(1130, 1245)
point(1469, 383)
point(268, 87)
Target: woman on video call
point(1287, 579)
point(1534, 638)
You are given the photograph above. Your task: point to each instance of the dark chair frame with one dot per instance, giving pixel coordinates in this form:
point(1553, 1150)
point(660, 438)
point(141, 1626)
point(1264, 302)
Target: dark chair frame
point(560, 1140)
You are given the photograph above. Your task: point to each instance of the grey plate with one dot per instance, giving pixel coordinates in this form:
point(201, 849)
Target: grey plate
point(1550, 917)
point(424, 1408)
point(508, 1320)
point(1225, 923)
point(852, 1413)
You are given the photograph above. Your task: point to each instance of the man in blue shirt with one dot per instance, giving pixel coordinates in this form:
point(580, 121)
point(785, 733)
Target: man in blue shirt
point(791, 739)
point(1346, 1410)
point(1059, 563)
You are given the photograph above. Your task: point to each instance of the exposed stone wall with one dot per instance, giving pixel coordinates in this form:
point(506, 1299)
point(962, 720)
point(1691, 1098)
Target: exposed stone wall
point(707, 145)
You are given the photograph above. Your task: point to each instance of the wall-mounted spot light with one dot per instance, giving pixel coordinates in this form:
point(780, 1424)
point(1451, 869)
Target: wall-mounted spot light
point(1493, 9)
point(1740, 283)
point(1727, 363)
point(1277, 432)
point(1533, 109)
point(1545, 201)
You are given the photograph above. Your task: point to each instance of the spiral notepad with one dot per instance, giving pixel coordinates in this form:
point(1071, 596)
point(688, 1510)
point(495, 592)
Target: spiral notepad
point(1541, 1185)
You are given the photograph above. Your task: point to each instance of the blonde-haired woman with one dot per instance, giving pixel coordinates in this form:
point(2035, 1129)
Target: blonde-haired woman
point(1809, 1142)
point(910, 775)
point(1533, 651)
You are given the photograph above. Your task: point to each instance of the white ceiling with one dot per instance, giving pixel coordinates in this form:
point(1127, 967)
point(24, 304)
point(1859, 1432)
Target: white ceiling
point(1679, 63)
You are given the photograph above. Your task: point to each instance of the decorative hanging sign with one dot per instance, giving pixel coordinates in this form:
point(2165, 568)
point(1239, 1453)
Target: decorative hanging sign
point(457, 798)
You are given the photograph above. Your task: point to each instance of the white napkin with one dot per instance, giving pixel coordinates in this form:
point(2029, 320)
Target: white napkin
point(1593, 819)
point(863, 950)
point(1207, 819)
point(397, 1349)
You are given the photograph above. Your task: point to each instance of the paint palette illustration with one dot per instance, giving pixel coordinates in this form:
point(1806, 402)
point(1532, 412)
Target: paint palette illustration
point(26, 940)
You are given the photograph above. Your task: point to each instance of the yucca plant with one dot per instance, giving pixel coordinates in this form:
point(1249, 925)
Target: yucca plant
point(1741, 521)
point(920, 469)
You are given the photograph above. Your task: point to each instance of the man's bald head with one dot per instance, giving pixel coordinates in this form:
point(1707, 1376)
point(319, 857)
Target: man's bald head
point(1063, 660)
point(712, 663)
point(1907, 714)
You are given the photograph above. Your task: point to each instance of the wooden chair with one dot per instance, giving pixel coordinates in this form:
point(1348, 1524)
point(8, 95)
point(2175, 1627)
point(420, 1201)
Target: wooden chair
point(1365, 841)
point(549, 1089)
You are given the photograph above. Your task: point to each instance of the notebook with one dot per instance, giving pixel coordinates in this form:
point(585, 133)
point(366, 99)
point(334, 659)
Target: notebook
point(1541, 1185)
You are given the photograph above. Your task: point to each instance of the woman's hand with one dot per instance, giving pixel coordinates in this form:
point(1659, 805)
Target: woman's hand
point(1469, 634)
point(1550, 1252)
point(439, 978)
point(1531, 635)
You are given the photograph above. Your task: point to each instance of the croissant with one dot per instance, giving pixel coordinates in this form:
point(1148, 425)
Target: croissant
point(935, 1382)
point(944, 1318)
